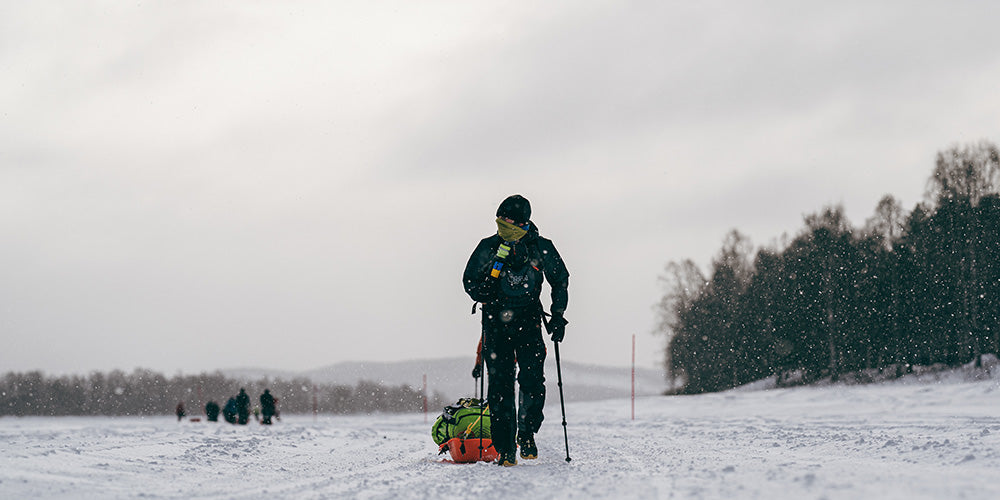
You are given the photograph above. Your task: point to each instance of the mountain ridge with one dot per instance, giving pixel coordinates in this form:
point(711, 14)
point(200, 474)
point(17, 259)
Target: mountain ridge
point(452, 377)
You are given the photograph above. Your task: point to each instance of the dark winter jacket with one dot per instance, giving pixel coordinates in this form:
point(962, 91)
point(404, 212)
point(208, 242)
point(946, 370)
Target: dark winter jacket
point(267, 403)
point(229, 411)
point(520, 282)
point(243, 403)
point(212, 411)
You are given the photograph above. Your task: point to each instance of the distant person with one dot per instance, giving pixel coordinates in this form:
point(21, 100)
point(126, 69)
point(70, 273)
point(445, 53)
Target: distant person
point(267, 406)
point(229, 411)
point(505, 274)
point(212, 411)
point(242, 407)
point(180, 411)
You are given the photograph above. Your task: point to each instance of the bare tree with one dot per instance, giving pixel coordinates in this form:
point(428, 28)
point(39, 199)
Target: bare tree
point(683, 282)
point(962, 177)
point(886, 226)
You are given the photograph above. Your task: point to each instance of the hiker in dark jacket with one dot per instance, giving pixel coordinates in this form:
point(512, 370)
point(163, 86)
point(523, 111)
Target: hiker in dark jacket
point(212, 411)
point(229, 411)
point(266, 407)
point(242, 407)
point(505, 274)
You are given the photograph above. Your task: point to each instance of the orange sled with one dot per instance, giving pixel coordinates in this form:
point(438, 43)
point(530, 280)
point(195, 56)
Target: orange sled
point(467, 450)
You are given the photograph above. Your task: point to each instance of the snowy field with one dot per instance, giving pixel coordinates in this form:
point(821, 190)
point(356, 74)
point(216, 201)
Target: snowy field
point(906, 441)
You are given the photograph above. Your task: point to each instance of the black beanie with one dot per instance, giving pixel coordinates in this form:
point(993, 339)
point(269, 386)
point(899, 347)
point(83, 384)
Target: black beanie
point(515, 207)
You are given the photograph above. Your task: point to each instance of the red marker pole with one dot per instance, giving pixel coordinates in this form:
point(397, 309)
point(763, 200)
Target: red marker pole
point(633, 376)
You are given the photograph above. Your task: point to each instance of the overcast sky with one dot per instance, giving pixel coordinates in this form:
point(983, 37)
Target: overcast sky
point(192, 185)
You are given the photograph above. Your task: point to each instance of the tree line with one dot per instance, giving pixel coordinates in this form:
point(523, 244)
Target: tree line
point(907, 288)
point(144, 392)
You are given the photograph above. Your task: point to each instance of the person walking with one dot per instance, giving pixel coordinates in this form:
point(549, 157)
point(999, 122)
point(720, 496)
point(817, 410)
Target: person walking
point(242, 407)
point(212, 411)
point(266, 407)
point(229, 411)
point(505, 274)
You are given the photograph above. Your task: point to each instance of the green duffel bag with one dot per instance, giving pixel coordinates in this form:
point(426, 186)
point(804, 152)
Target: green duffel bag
point(467, 418)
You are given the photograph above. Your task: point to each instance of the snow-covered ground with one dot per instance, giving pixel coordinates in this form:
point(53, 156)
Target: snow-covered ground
point(928, 440)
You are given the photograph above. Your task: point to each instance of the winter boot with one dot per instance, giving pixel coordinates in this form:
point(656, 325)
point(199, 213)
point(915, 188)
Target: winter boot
point(527, 444)
point(507, 460)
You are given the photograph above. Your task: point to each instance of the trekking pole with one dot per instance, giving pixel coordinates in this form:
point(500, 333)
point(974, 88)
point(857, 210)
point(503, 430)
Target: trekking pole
point(562, 402)
point(482, 392)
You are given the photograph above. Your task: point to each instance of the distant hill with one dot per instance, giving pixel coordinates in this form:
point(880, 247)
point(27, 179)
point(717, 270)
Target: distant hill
point(452, 377)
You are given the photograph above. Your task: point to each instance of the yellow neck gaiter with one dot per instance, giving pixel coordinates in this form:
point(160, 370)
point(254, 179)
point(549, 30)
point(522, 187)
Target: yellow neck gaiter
point(508, 231)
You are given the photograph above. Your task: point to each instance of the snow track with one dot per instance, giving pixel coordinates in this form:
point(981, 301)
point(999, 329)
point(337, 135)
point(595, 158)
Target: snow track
point(888, 441)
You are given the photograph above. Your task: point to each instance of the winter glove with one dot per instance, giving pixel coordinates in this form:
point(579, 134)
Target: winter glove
point(477, 371)
point(557, 327)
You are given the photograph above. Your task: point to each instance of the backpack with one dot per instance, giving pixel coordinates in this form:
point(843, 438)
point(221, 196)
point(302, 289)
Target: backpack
point(521, 282)
point(468, 418)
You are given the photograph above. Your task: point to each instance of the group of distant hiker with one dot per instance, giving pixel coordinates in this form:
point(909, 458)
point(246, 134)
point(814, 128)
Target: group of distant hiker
point(237, 409)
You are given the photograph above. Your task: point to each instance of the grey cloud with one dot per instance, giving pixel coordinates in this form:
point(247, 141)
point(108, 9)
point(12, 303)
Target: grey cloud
point(604, 72)
point(321, 175)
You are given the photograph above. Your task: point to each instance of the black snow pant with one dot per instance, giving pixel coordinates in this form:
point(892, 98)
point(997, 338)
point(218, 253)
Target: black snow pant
point(513, 340)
